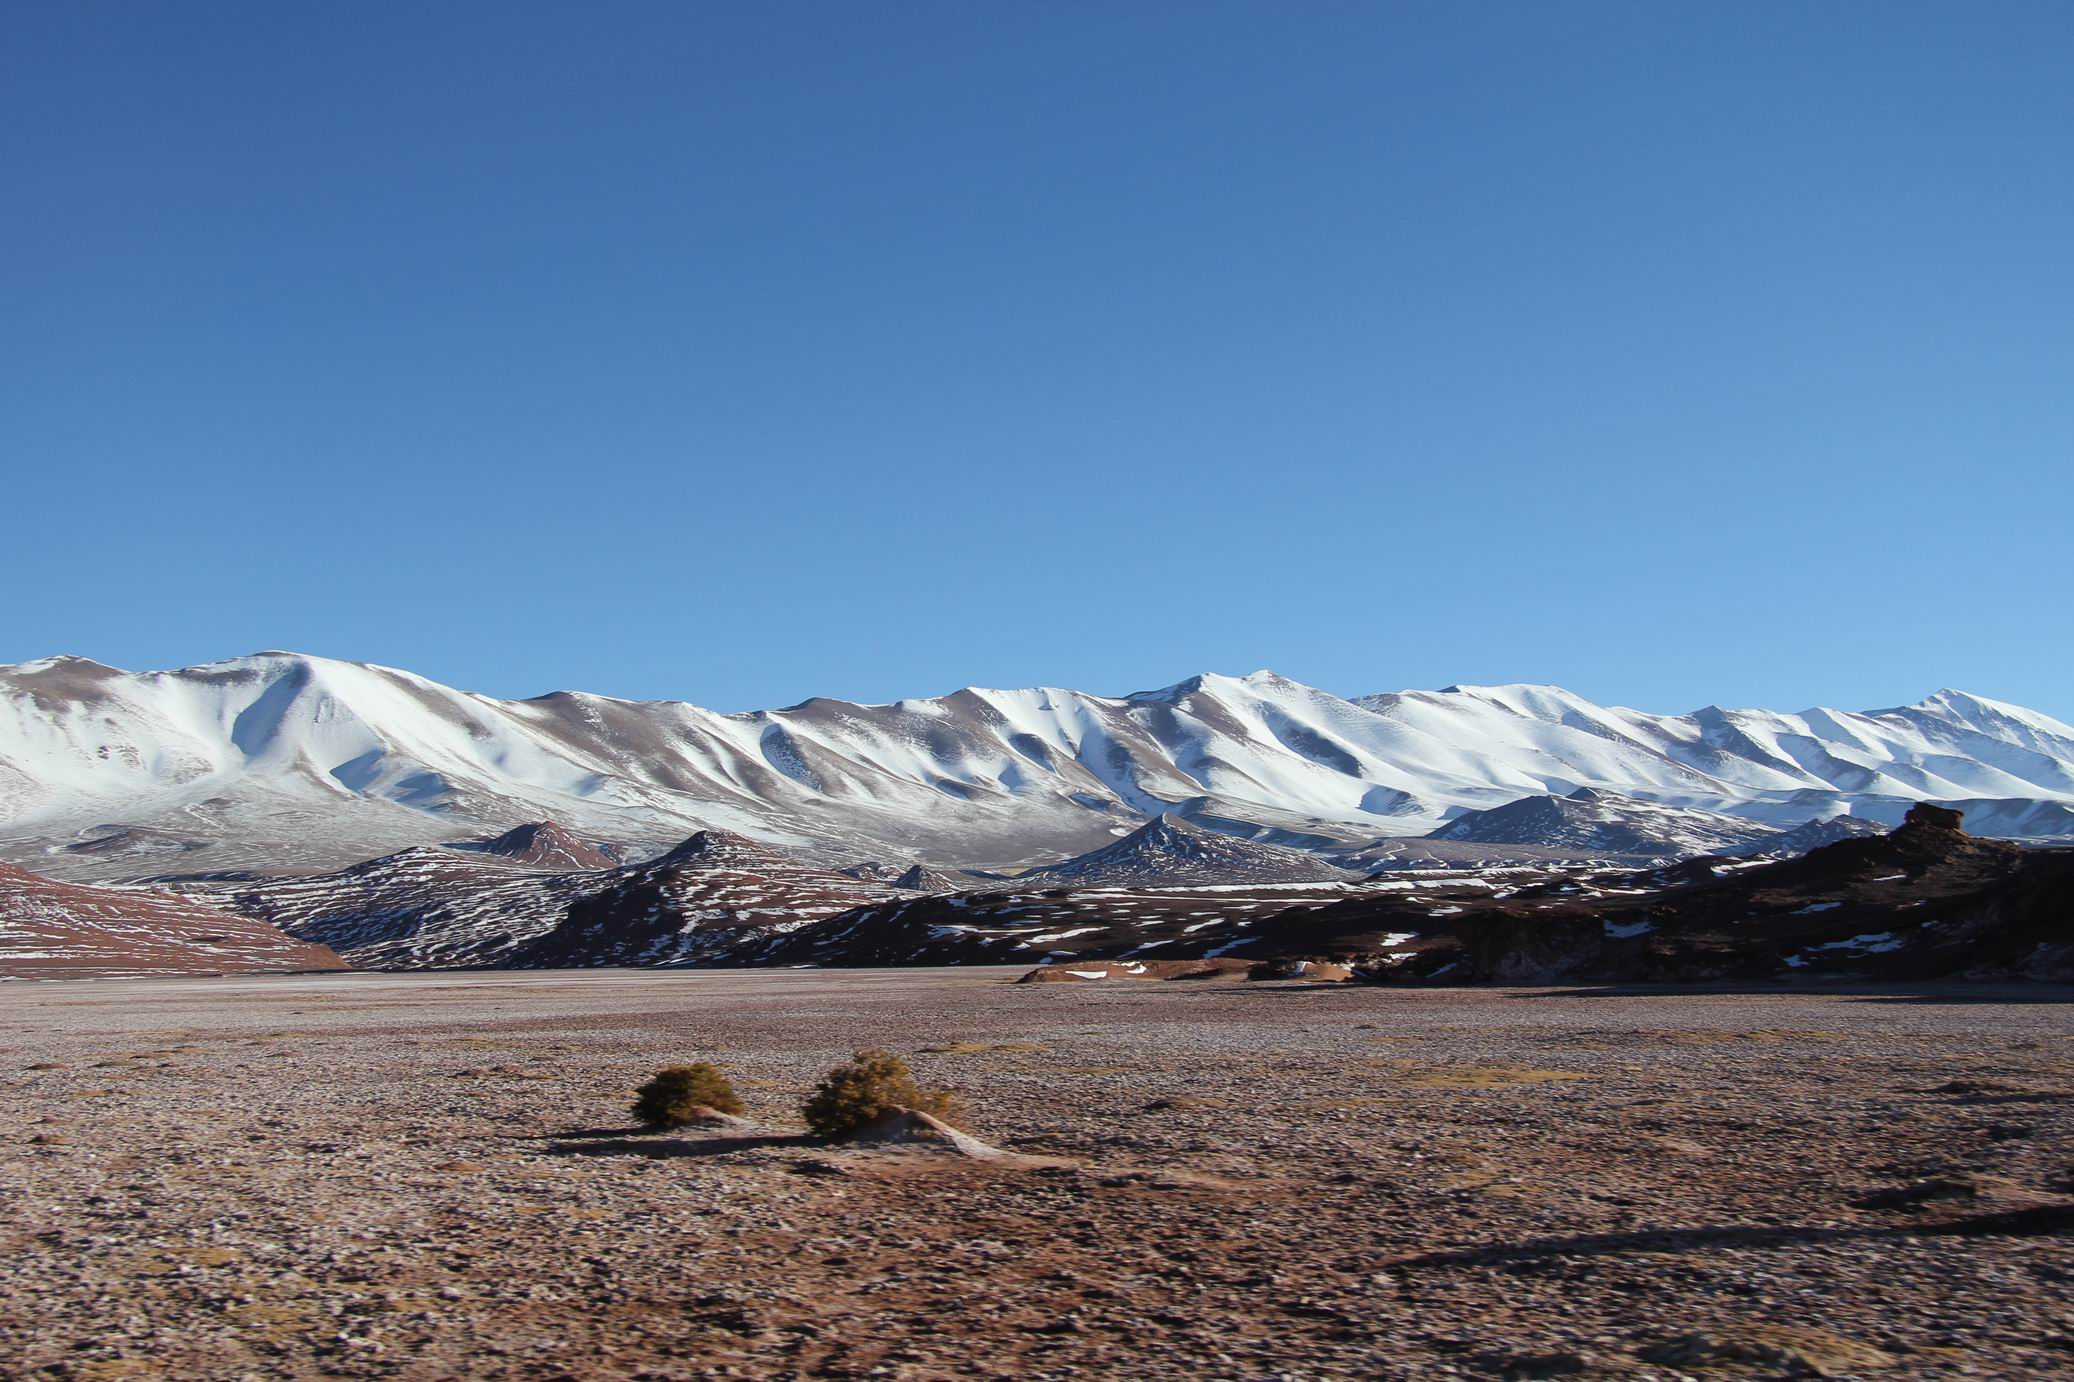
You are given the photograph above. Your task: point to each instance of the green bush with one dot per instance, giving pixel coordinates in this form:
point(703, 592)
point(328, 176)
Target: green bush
point(672, 1098)
point(873, 1083)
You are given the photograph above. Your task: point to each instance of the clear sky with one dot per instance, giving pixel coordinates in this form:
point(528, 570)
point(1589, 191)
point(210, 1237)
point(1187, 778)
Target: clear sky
point(1675, 353)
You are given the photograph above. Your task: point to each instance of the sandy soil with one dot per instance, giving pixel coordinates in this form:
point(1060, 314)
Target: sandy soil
point(430, 1176)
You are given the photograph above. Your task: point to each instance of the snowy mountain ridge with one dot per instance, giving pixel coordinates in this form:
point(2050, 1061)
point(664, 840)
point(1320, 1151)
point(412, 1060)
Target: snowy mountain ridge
point(281, 762)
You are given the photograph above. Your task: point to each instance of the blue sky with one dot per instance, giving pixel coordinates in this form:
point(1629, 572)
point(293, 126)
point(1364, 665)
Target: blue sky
point(740, 353)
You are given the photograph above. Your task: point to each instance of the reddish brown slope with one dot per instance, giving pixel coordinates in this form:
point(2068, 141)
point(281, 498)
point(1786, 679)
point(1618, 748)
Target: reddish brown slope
point(53, 930)
point(546, 845)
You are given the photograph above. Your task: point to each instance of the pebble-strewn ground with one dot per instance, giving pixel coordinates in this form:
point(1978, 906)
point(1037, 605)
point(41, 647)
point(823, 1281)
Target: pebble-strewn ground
point(429, 1176)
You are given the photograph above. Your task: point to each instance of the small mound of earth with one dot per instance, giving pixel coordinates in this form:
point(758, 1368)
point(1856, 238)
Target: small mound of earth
point(705, 1116)
point(906, 1127)
point(1762, 1348)
point(1970, 1203)
point(1074, 971)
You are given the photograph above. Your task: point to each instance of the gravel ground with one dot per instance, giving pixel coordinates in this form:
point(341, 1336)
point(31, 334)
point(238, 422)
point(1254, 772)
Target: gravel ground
point(430, 1176)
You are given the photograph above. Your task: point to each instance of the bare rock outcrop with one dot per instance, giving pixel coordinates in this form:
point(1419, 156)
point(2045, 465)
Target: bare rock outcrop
point(1933, 817)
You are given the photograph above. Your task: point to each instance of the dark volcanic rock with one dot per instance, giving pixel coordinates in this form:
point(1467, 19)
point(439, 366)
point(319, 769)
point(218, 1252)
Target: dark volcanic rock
point(718, 898)
point(1935, 817)
point(1006, 925)
point(1925, 901)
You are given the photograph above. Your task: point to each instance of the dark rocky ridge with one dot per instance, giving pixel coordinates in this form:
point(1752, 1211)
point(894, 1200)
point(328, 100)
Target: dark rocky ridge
point(717, 898)
point(434, 907)
point(1926, 901)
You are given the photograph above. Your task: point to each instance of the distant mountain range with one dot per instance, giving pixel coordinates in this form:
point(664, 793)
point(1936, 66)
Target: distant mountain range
point(279, 763)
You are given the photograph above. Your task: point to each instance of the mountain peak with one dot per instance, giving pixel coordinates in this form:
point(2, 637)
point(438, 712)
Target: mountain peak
point(548, 845)
point(1264, 679)
point(1170, 851)
point(1985, 713)
point(712, 848)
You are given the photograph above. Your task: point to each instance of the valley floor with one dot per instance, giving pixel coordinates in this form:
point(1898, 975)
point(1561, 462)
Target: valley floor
point(430, 1176)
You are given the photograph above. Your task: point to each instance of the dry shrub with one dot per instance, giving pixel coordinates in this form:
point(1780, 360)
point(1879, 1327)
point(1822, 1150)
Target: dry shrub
point(672, 1098)
point(873, 1083)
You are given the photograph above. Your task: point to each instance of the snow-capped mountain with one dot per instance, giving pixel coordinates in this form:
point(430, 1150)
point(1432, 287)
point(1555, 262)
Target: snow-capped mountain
point(1169, 852)
point(1755, 763)
point(282, 763)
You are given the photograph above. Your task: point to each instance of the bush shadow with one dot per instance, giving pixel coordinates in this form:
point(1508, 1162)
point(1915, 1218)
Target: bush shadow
point(667, 1148)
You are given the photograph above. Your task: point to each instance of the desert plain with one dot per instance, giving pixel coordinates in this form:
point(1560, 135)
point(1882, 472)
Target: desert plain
point(434, 1175)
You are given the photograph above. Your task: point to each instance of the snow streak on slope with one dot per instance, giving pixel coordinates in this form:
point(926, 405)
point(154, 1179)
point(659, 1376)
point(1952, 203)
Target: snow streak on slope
point(279, 762)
